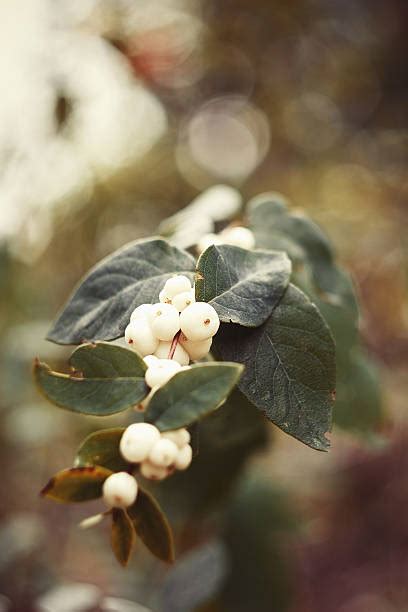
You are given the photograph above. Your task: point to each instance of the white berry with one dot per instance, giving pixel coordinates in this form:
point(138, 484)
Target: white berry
point(164, 298)
point(184, 299)
point(238, 236)
point(199, 321)
point(153, 472)
point(165, 321)
point(159, 373)
point(137, 441)
point(180, 355)
point(140, 336)
point(163, 452)
point(176, 284)
point(119, 490)
point(150, 359)
point(141, 312)
point(180, 437)
point(196, 350)
point(183, 458)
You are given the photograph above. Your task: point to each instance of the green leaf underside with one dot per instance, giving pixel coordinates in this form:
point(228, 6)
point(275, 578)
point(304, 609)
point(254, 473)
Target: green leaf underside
point(77, 484)
point(191, 394)
point(289, 367)
point(152, 527)
point(102, 448)
point(94, 396)
point(243, 286)
point(105, 360)
point(101, 305)
point(123, 536)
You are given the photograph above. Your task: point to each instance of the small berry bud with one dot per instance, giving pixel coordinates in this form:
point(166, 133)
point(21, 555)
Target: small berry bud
point(179, 355)
point(137, 441)
point(176, 284)
point(163, 453)
point(140, 337)
point(238, 236)
point(183, 458)
point(153, 472)
point(199, 321)
point(180, 437)
point(119, 490)
point(196, 350)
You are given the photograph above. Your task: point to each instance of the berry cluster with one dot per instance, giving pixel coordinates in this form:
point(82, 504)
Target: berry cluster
point(158, 455)
point(172, 332)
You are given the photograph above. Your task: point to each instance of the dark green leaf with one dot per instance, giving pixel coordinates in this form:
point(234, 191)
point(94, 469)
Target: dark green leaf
point(191, 394)
point(105, 360)
point(243, 286)
point(358, 404)
point(102, 448)
point(152, 526)
point(123, 535)
point(76, 484)
point(100, 307)
point(289, 367)
point(96, 396)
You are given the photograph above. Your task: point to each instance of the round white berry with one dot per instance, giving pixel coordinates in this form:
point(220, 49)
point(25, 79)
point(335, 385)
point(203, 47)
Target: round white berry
point(182, 300)
point(163, 452)
point(140, 336)
point(176, 284)
point(196, 350)
point(199, 321)
point(180, 355)
point(164, 298)
point(183, 458)
point(180, 437)
point(153, 472)
point(119, 490)
point(238, 236)
point(159, 373)
point(141, 312)
point(165, 321)
point(137, 441)
point(150, 359)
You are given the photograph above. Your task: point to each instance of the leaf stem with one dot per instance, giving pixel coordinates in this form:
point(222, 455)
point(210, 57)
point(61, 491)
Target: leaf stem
point(174, 345)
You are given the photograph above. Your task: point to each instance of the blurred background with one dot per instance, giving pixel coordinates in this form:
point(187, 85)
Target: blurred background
point(114, 114)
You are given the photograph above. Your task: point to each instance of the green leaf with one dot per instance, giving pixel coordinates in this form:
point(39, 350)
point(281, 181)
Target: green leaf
point(152, 526)
point(243, 286)
point(358, 406)
point(123, 536)
point(191, 394)
point(105, 360)
point(76, 484)
point(101, 305)
point(102, 448)
point(289, 367)
point(95, 396)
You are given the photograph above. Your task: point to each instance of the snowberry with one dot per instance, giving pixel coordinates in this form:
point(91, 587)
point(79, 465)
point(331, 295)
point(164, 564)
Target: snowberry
point(180, 437)
point(163, 452)
point(137, 441)
point(184, 299)
point(150, 359)
point(199, 321)
point(165, 321)
point(159, 373)
point(183, 458)
point(141, 312)
point(164, 298)
point(198, 349)
point(238, 236)
point(153, 472)
point(140, 336)
point(180, 355)
point(119, 490)
point(176, 284)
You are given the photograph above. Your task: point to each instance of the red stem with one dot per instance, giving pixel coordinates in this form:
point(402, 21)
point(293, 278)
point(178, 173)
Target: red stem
point(174, 344)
